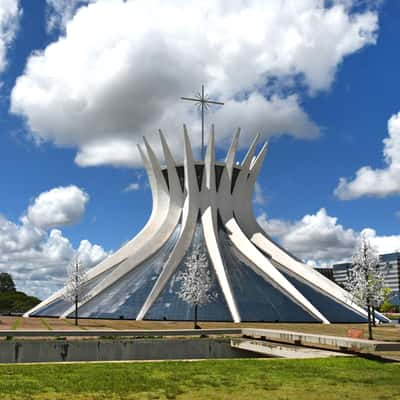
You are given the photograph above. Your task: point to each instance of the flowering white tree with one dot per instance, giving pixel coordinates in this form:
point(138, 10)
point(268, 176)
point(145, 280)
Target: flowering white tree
point(366, 280)
point(196, 281)
point(74, 288)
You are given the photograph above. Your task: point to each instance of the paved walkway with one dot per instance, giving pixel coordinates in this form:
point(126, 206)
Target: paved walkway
point(279, 350)
point(317, 340)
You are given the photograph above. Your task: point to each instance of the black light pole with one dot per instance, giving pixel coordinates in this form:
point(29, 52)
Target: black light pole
point(76, 292)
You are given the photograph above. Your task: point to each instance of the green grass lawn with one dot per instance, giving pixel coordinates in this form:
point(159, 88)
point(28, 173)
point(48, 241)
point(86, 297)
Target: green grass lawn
point(322, 379)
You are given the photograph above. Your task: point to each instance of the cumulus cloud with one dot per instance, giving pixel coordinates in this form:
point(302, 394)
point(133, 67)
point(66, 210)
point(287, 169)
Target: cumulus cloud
point(100, 89)
point(59, 12)
point(274, 227)
point(41, 268)
point(132, 187)
point(37, 257)
point(377, 182)
point(9, 18)
point(320, 240)
point(14, 238)
point(272, 116)
point(258, 195)
point(90, 254)
point(384, 244)
point(58, 207)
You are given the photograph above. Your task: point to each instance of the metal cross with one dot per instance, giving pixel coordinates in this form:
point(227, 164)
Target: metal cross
point(202, 102)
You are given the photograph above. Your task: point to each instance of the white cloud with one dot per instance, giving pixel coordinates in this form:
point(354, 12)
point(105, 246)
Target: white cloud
point(274, 227)
point(41, 268)
point(101, 89)
point(377, 182)
point(132, 187)
point(320, 240)
point(15, 238)
point(258, 195)
point(90, 254)
point(383, 244)
point(38, 258)
point(272, 116)
point(9, 18)
point(60, 12)
point(58, 207)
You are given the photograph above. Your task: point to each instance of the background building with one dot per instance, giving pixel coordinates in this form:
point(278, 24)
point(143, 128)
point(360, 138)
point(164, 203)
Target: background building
point(341, 272)
point(327, 272)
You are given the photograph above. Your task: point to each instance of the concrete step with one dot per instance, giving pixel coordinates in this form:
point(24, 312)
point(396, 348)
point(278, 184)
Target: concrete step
point(280, 350)
point(318, 340)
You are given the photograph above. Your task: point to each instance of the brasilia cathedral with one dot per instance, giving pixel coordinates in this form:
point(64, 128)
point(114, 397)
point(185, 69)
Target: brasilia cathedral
point(205, 204)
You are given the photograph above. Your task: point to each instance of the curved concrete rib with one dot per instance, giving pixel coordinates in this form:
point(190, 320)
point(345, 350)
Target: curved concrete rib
point(209, 183)
point(247, 161)
point(244, 245)
point(305, 273)
point(230, 155)
point(189, 221)
point(245, 216)
point(210, 227)
point(158, 214)
point(55, 296)
point(122, 254)
point(173, 179)
point(274, 277)
point(157, 233)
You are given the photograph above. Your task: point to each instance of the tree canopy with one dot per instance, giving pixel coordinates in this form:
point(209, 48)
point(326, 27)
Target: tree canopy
point(12, 301)
point(16, 302)
point(6, 283)
point(366, 280)
point(196, 280)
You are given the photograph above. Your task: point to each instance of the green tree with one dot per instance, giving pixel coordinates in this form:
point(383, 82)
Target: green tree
point(16, 302)
point(6, 283)
point(387, 305)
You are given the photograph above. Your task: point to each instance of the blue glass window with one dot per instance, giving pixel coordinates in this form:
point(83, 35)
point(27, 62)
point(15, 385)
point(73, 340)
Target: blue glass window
point(331, 309)
point(169, 306)
point(256, 298)
point(125, 297)
point(60, 306)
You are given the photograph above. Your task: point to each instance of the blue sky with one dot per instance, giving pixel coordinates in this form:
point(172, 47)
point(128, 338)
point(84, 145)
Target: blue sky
point(83, 81)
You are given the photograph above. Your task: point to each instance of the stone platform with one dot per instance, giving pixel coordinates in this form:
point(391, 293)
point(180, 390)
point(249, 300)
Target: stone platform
point(317, 340)
point(279, 350)
point(109, 344)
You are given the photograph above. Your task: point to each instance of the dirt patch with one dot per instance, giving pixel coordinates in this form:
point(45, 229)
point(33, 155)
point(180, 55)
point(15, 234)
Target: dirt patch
point(7, 322)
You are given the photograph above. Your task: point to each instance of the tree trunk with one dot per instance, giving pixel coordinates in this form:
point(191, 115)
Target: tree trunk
point(373, 316)
point(369, 322)
point(195, 317)
point(76, 310)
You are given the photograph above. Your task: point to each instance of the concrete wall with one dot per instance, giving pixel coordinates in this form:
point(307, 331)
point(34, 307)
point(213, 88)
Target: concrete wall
point(109, 350)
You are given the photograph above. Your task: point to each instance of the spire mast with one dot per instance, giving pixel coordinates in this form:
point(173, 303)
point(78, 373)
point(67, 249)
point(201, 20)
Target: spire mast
point(202, 101)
